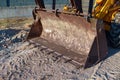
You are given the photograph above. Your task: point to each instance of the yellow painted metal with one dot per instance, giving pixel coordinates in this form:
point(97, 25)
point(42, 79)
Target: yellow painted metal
point(105, 7)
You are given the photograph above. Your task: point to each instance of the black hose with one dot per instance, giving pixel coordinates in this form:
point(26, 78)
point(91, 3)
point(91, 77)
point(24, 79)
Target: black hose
point(90, 7)
point(53, 4)
point(78, 4)
point(40, 3)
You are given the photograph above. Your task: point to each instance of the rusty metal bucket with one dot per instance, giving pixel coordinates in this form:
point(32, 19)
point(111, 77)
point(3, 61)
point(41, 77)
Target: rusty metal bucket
point(71, 36)
point(78, 41)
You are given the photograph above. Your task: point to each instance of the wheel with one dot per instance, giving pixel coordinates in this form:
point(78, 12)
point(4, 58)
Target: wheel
point(114, 33)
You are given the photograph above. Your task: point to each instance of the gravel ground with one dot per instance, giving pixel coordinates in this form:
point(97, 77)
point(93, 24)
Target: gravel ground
point(23, 60)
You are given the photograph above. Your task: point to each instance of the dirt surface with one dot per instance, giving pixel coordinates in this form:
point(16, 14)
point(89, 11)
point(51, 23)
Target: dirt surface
point(23, 60)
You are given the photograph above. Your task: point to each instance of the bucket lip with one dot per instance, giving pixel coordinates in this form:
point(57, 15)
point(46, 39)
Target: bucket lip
point(75, 58)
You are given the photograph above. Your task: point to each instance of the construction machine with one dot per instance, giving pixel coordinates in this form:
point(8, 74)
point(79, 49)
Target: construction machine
point(110, 14)
point(77, 31)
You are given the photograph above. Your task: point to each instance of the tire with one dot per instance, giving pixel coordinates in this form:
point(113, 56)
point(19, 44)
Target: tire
point(114, 35)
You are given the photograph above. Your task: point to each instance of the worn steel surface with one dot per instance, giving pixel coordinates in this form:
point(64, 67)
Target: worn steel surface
point(70, 31)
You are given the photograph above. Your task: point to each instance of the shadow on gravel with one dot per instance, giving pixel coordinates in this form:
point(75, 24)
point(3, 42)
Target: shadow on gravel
point(8, 33)
point(6, 37)
point(95, 58)
point(112, 51)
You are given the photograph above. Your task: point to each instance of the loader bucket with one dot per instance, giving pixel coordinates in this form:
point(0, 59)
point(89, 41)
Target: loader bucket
point(71, 37)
